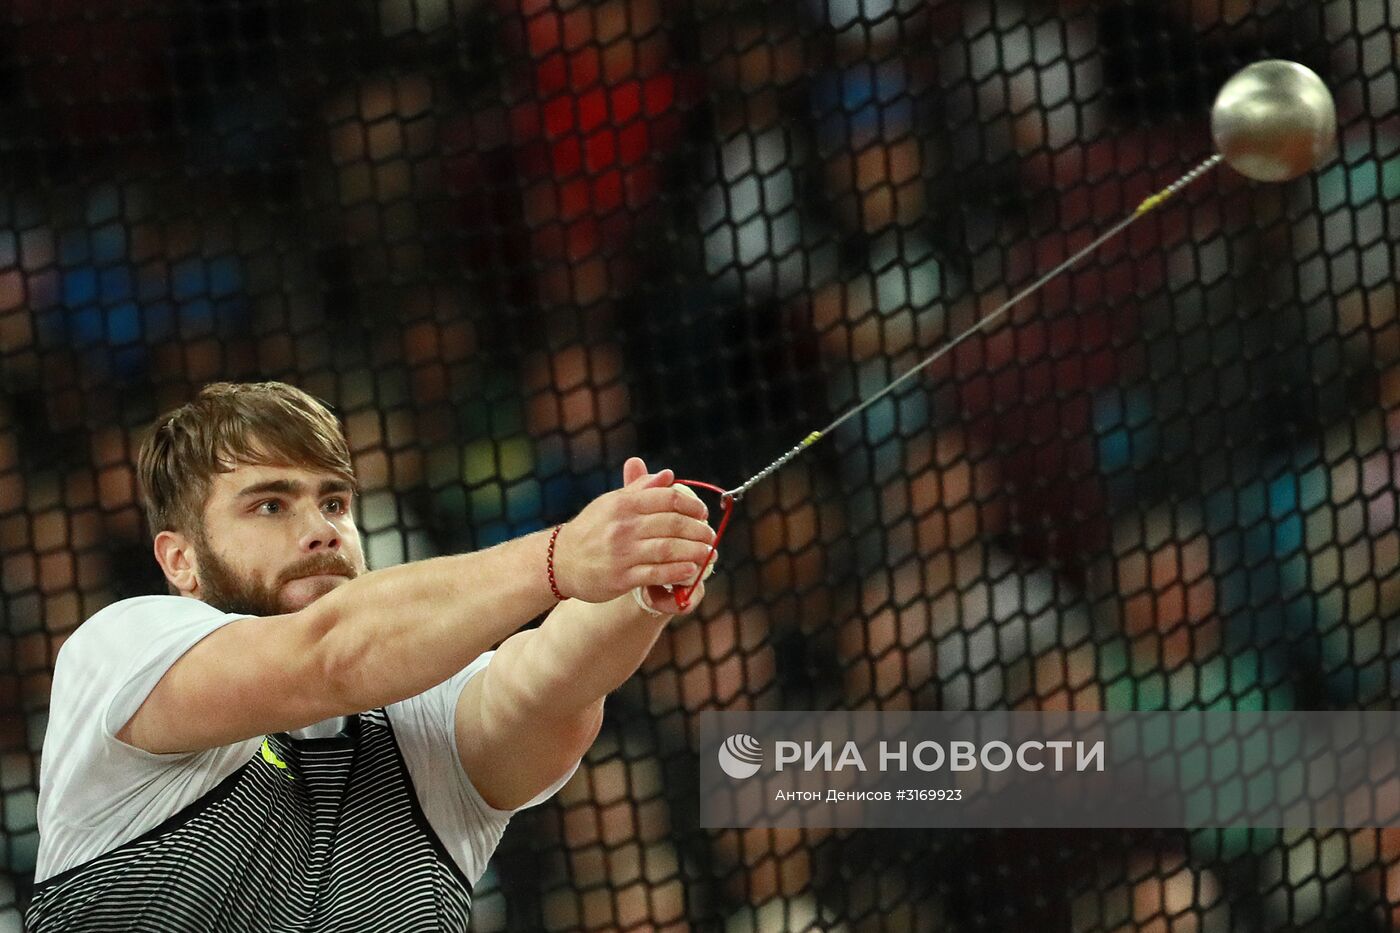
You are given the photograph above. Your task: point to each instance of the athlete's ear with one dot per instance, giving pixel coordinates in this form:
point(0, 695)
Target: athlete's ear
point(178, 561)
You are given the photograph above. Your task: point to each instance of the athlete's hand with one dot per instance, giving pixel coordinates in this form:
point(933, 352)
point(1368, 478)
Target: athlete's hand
point(648, 533)
point(664, 600)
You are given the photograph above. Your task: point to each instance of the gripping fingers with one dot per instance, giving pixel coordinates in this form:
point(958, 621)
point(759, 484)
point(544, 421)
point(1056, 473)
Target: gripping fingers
point(662, 479)
point(671, 499)
point(670, 574)
point(663, 600)
point(673, 550)
point(671, 525)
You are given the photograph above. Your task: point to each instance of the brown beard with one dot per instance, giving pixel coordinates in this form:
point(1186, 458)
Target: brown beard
point(223, 588)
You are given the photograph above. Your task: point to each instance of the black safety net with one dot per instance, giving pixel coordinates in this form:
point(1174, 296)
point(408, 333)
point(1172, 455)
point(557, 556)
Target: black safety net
point(514, 242)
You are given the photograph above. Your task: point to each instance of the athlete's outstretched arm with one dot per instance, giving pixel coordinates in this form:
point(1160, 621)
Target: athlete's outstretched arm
point(536, 708)
point(394, 633)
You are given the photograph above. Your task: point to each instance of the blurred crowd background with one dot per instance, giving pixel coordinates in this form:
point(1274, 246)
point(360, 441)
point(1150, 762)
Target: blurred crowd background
point(513, 242)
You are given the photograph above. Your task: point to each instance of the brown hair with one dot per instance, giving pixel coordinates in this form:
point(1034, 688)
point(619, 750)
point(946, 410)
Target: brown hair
point(227, 425)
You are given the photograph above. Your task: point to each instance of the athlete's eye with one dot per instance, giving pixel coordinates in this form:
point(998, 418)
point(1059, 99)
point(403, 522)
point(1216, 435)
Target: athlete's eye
point(269, 507)
point(336, 506)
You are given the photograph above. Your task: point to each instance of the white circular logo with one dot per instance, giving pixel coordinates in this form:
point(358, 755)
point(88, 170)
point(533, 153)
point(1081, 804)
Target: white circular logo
point(741, 756)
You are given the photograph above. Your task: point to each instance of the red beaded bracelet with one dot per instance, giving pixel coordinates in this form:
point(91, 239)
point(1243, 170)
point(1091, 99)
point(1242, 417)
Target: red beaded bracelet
point(549, 565)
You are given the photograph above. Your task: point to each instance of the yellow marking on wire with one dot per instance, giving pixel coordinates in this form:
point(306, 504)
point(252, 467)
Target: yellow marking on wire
point(1153, 202)
point(811, 439)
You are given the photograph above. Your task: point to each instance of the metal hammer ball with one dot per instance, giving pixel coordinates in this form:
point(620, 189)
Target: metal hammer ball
point(1274, 121)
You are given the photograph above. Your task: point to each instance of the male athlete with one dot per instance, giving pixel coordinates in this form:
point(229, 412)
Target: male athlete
point(294, 743)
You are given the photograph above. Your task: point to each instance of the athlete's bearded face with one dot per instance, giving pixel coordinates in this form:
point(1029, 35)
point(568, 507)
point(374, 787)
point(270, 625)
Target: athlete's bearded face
point(274, 540)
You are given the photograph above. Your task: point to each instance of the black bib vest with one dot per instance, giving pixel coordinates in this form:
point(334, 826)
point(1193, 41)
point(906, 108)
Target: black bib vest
point(321, 835)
